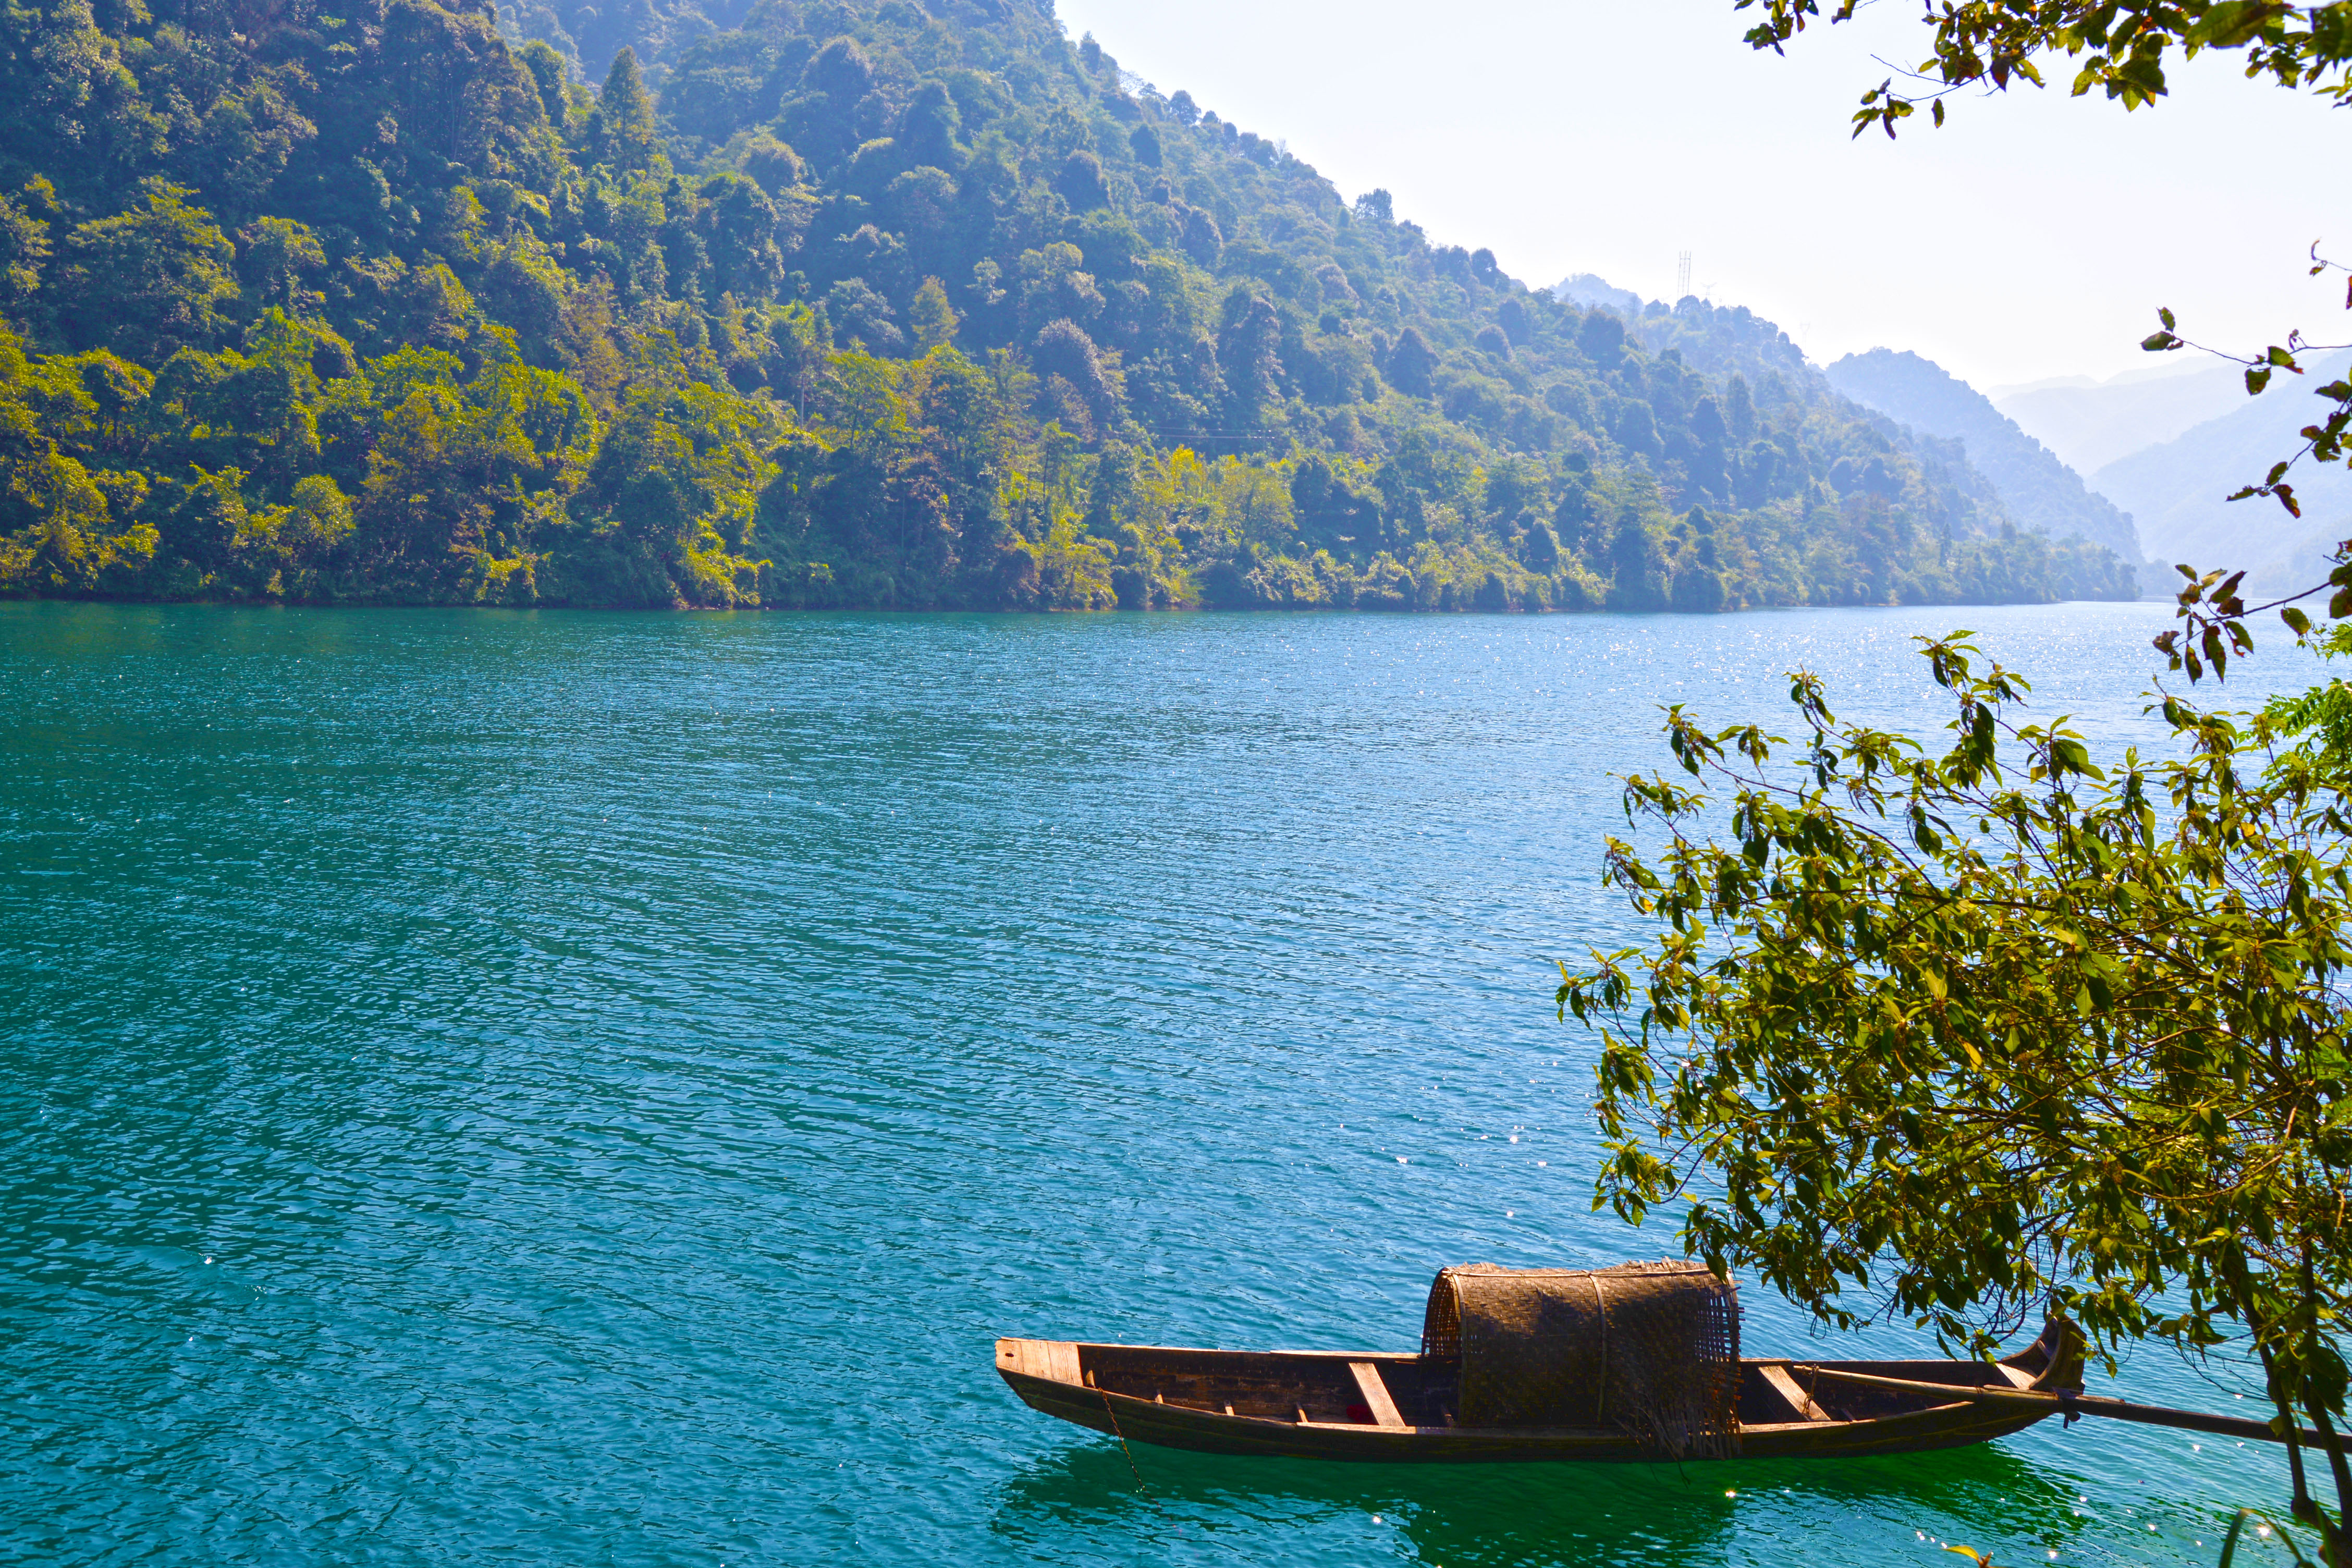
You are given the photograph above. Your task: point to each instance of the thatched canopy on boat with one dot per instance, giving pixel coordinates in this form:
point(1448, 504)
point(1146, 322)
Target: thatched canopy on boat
point(1649, 1348)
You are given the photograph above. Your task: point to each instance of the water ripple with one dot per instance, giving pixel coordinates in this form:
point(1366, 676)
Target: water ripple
point(589, 1087)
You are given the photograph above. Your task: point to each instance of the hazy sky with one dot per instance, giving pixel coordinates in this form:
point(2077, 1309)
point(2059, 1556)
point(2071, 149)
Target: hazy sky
point(2033, 235)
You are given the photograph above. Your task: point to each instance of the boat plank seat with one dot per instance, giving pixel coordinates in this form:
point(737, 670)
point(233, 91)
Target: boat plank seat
point(1778, 1379)
point(1376, 1395)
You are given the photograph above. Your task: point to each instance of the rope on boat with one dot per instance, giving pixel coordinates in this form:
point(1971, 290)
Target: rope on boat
point(1144, 1491)
point(1601, 1302)
point(1122, 1442)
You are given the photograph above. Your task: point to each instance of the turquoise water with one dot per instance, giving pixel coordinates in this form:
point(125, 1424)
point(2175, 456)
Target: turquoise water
point(582, 1089)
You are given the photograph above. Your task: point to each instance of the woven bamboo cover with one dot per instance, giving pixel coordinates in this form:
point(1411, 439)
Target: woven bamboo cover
point(1648, 1349)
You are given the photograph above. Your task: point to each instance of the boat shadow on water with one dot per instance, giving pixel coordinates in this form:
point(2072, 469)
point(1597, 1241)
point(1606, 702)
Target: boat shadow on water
point(1540, 1514)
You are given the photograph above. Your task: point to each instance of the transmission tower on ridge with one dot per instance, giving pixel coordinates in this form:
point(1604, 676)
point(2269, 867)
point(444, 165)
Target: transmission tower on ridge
point(1682, 274)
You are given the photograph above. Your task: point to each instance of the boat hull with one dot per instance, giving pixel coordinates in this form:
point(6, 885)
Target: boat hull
point(1389, 1409)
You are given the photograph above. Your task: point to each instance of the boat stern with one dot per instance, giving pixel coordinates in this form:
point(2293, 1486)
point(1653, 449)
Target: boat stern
point(1046, 1376)
point(1050, 1361)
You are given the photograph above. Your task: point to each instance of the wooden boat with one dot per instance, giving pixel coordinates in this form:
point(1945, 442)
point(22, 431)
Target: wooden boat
point(1397, 1407)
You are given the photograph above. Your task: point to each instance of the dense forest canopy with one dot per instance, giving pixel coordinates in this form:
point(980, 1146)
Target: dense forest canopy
point(823, 304)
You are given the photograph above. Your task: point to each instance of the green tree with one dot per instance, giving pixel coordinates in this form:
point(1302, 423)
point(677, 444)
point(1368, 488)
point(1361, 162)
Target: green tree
point(2223, 1112)
point(462, 475)
point(775, 166)
point(1947, 1037)
point(58, 533)
point(280, 254)
point(321, 516)
point(103, 420)
point(1637, 566)
point(151, 278)
point(23, 252)
point(551, 75)
point(931, 317)
point(1410, 362)
point(679, 477)
point(622, 130)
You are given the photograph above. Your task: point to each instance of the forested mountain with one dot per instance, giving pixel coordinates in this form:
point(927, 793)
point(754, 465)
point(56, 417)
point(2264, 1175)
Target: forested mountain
point(855, 305)
point(2038, 490)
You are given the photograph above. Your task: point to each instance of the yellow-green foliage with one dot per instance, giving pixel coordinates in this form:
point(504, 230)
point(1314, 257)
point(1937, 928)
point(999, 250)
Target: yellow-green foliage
point(63, 528)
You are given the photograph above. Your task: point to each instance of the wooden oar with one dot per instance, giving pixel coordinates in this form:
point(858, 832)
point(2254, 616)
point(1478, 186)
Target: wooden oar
point(2072, 1403)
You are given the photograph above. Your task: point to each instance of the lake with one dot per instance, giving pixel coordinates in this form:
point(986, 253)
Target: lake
point(567, 1088)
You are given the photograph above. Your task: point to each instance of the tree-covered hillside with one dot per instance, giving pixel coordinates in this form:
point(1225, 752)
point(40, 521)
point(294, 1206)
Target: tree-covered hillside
point(2041, 492)
point(850, 305)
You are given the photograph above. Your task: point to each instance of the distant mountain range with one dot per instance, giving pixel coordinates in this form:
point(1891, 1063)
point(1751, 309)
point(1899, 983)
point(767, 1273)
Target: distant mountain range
point(2175, 489)
point(2037, 490)
point(2090, 424)
point(2139, 463)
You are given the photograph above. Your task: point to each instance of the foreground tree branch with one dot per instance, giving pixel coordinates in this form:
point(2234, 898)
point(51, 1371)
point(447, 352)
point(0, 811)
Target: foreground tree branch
point(1957, 1036)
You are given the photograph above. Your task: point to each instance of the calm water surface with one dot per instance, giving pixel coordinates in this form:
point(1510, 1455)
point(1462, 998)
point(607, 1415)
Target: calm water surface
point(587, 1089)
